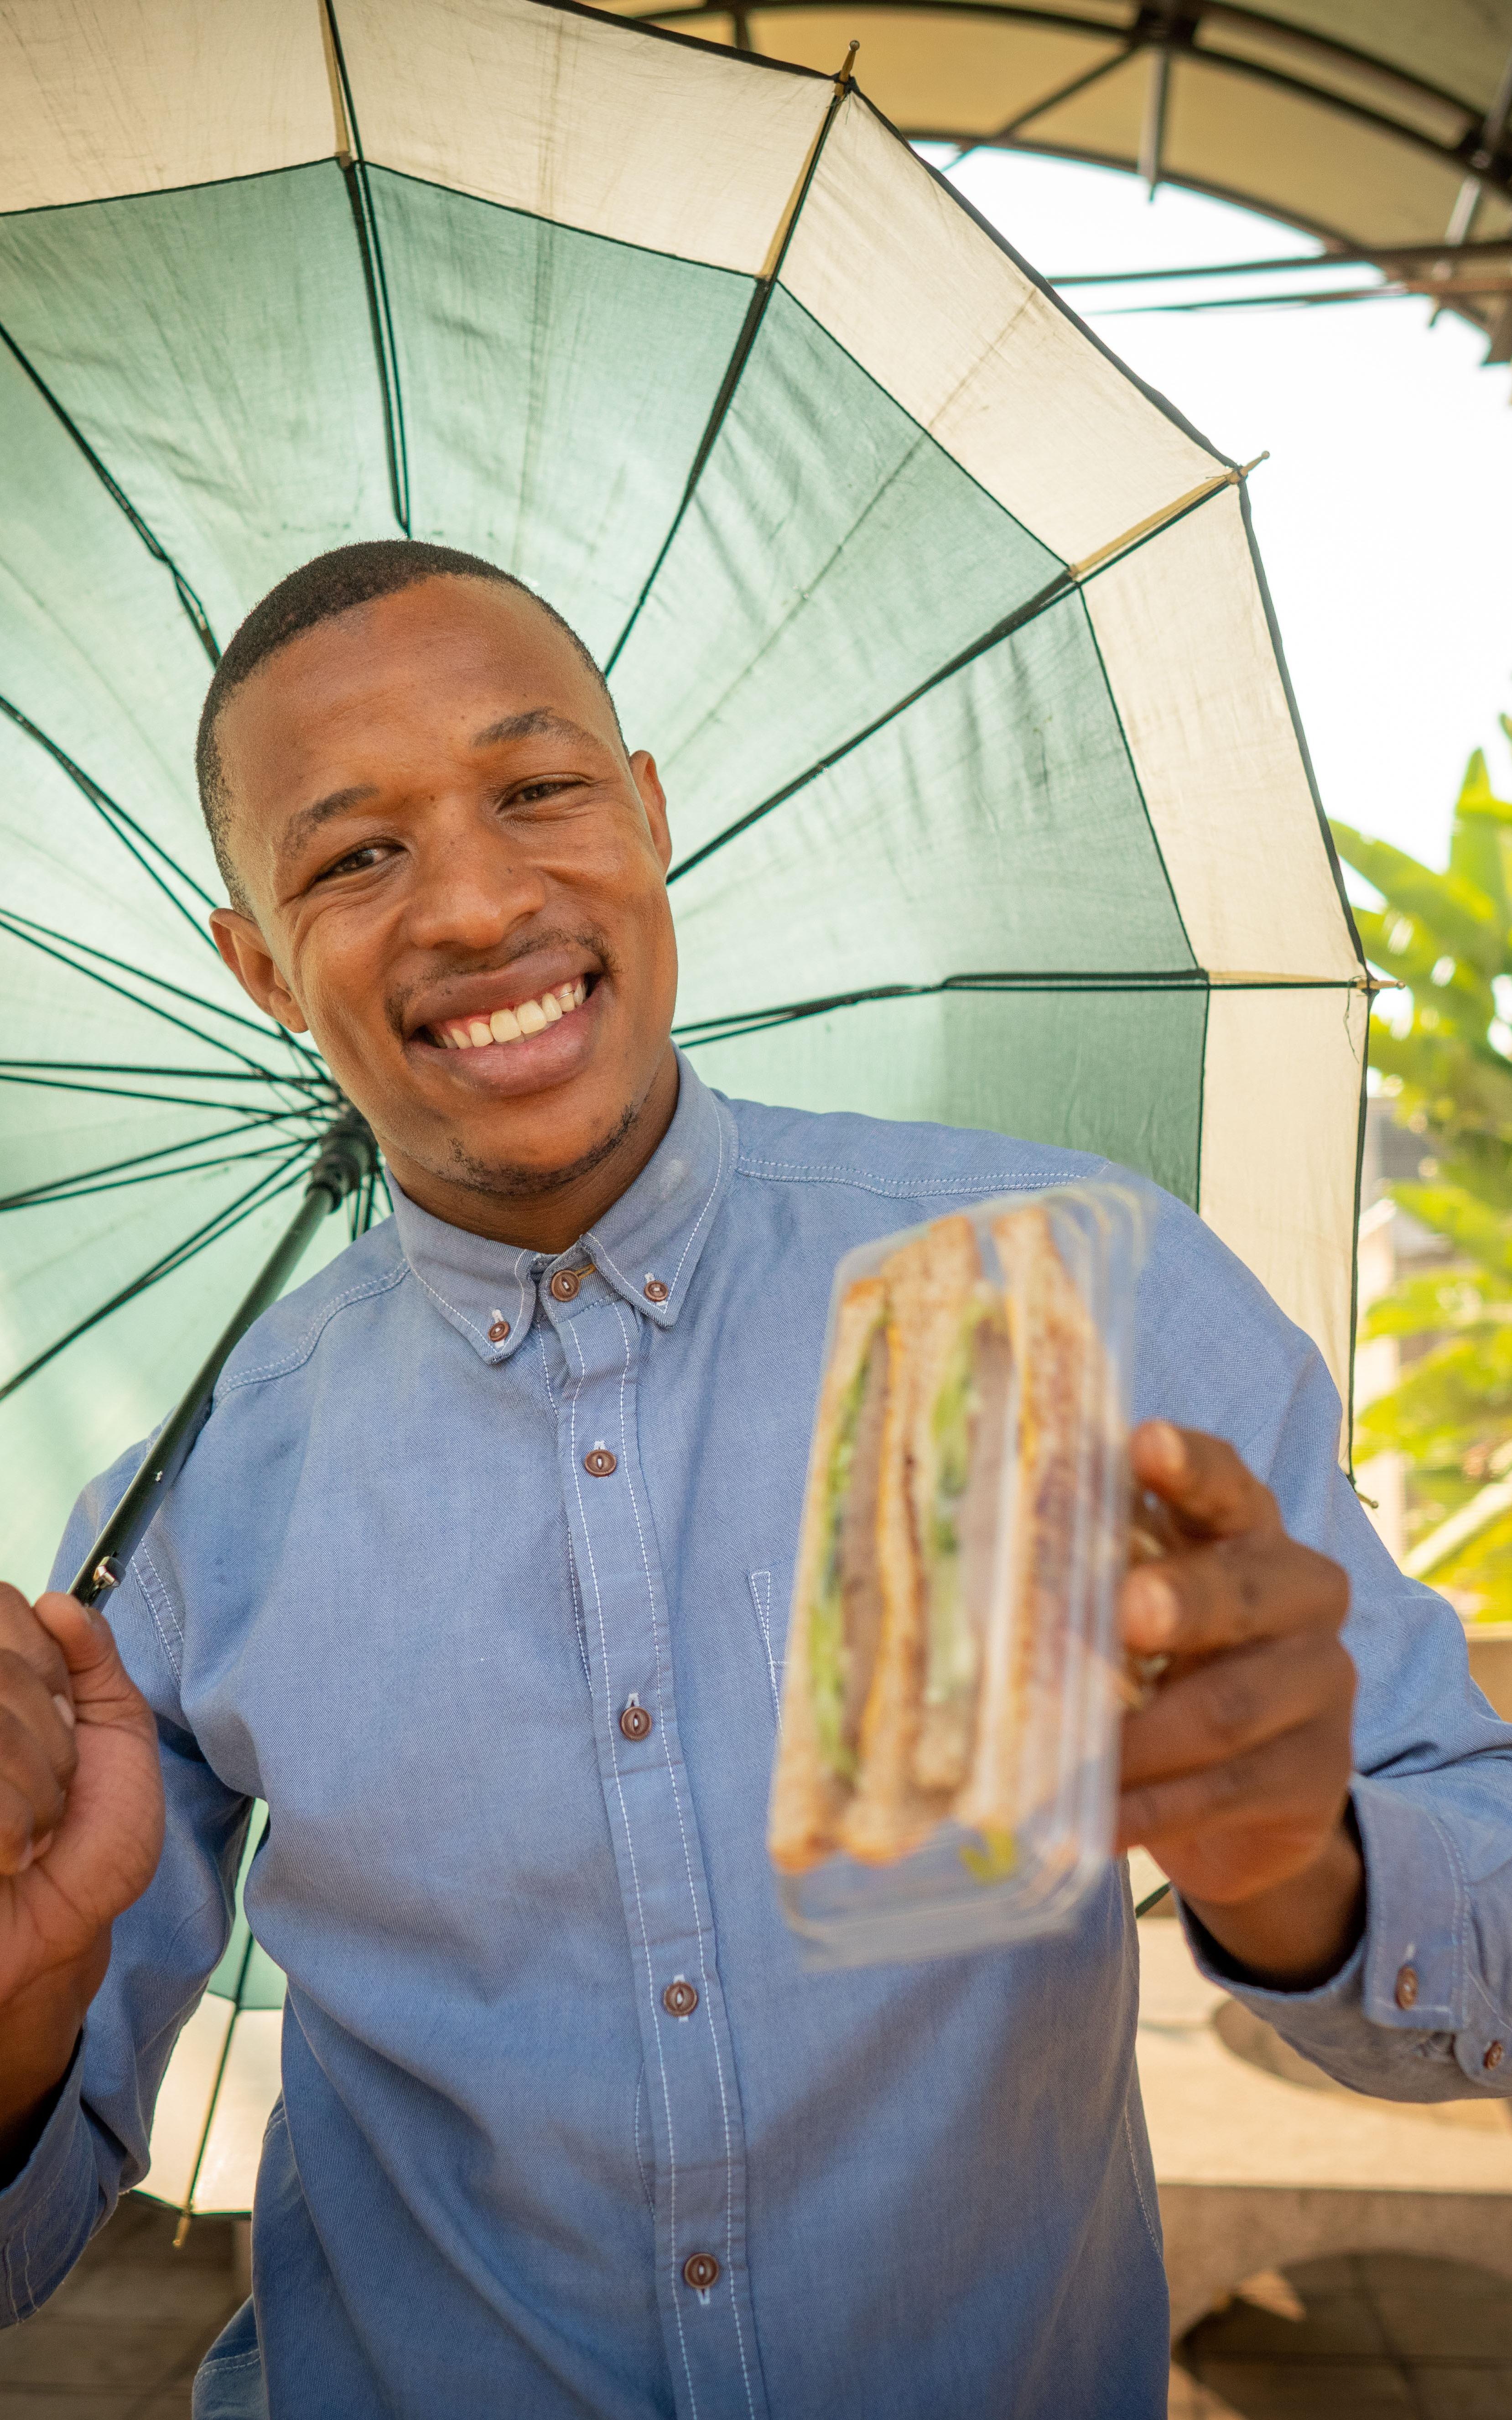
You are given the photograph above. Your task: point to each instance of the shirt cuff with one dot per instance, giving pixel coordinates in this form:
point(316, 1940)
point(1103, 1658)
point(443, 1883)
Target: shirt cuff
point(1403, 2012)
point(48, 2211)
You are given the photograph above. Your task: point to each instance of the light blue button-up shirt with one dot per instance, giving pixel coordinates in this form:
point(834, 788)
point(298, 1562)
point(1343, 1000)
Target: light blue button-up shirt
point(391, 1597)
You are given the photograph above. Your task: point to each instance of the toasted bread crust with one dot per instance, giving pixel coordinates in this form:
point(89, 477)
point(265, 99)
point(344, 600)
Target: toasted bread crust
point(929, 1281)
point(1062, 1453)
point(808, 1798)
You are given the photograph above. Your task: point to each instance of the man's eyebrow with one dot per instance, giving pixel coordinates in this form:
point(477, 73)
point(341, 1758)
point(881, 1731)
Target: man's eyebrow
point(298, 827)
point(541, 723)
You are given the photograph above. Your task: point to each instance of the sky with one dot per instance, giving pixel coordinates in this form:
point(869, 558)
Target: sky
point(1384, 513)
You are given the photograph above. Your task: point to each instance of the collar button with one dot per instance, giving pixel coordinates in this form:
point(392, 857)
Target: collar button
point(498, 1330)
point(566, 1283)
point(656, 1290)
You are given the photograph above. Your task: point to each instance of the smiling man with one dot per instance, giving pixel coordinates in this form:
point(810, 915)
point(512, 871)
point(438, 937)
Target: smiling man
point(478, 1576)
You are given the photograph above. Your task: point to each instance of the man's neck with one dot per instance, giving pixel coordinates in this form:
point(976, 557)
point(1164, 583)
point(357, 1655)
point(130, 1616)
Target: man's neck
point(548, 1218)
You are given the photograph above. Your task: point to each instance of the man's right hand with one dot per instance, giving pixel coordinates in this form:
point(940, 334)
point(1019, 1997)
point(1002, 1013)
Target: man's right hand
point(81, 1832)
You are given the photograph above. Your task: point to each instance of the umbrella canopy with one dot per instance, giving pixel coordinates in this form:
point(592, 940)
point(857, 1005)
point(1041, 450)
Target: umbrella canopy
point(223, 2078)
point(1373, 123)
point(989, 799)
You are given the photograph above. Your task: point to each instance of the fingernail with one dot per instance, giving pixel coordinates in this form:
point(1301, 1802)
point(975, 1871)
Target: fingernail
point(1157, 1609)
point(25, 1857)
point(65, 1709)
point(1166, 1441)
point(40, 1848)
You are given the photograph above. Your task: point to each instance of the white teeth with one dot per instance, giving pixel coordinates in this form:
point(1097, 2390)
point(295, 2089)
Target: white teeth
point(508, 1024)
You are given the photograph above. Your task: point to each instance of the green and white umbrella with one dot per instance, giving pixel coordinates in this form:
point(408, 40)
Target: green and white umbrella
point(222, 2080)
point(948, 636)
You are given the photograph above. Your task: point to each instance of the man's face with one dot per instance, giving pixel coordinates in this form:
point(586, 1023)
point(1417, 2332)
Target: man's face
point(442, 841)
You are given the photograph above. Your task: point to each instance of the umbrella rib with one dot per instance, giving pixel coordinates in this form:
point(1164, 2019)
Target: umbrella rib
point(198, 618)
point(271, 1032)
point(738, 1023)
point(18, 926)
point(84, 1179)
point(166, 1100)
point(124, 1067)
point(63, 1190)
point(1067, 582)
point(113, 816)
point(353, 167)
point(756, 312)
point(273, 1182)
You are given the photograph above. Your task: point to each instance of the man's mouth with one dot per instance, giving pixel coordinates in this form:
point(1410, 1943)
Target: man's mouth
point(515, 1023)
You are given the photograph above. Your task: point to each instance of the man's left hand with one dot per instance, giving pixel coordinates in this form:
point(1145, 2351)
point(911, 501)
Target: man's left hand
point(1236, 1773)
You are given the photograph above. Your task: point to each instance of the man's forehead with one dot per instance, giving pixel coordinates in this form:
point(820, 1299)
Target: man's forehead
point(443, 649)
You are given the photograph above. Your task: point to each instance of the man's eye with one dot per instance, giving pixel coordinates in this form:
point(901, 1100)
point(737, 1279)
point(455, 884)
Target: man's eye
point(550, 786)
point(356, 860)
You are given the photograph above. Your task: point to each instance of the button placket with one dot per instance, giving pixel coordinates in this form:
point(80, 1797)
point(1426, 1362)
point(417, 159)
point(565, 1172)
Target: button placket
point(691, 2097)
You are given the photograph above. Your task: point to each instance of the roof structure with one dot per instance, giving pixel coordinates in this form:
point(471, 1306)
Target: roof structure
point(1375, 124)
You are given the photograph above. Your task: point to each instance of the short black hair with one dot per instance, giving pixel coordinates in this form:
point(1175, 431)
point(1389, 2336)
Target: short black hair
point(328, 586)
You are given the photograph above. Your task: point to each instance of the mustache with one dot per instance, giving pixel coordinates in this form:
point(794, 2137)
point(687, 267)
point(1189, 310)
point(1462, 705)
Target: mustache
point(460, 965)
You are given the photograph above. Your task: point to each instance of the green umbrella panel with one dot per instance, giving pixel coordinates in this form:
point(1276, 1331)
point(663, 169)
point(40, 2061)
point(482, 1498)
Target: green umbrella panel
point(988, 796)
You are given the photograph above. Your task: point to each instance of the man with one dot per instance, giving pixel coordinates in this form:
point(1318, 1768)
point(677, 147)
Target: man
point(522, 1469)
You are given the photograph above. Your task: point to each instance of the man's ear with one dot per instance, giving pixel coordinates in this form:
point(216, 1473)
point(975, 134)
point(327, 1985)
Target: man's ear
point(252, 962)
point(654, 800)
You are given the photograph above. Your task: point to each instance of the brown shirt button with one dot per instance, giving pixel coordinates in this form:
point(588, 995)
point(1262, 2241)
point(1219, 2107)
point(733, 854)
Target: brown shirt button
point(1407, 1987)
point(1493, 2054)
point(636, 1723)
point(599, 1464)
point(498, 1330)
point(565, 1284)
point(700, 2271)
point(656, 1290)
point(679, 1999)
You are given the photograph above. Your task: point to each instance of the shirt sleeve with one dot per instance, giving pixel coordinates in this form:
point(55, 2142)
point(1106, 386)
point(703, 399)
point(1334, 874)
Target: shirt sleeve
point(1423, 2008)
point(94, 2146)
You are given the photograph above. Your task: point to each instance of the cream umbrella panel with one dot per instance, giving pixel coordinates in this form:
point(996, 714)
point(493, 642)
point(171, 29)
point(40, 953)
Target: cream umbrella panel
point(949, 637)
point(989, 798)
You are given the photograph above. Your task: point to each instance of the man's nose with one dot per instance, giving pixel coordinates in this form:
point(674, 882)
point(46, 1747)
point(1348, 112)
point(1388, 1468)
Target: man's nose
point(473, 888)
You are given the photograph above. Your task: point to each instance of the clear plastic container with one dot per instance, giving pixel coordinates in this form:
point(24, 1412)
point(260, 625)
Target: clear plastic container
point(946, 1774)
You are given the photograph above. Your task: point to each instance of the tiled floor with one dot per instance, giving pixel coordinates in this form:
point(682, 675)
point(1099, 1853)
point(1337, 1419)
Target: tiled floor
point(1373, 2336)
point(123, 2337)
point(1380, 2337)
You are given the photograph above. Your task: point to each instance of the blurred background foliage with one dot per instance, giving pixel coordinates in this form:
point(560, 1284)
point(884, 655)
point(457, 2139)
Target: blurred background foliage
point(1442, 1048)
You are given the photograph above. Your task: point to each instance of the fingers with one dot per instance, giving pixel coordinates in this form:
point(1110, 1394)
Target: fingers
point(38, 1761)
point(1231, 1828)
point(1234, 1704)
point(26, 1636)
point(1209, 1490)
point(1231, 1593)
point(95, 1676)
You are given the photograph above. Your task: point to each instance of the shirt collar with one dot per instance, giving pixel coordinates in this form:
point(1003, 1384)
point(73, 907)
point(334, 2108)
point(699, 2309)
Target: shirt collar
point(653, 1235)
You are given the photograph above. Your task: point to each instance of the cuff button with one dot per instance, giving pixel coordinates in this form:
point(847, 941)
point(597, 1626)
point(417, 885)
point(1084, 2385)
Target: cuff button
point(1493, 2054)
point(1407, 1987)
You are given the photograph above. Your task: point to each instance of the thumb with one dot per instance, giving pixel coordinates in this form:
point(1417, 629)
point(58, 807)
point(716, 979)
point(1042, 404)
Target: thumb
point(101, 1690)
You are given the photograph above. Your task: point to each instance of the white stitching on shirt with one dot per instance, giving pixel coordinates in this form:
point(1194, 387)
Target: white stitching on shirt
point(904, 1189)
point(300, 1351)
point(634, 1874)
point(145, 1567)
point(1150, 2227)
point(455, 1309)
point(573, 1588)
point(718, 1169)
point(687, 1861)
point(761, 1595)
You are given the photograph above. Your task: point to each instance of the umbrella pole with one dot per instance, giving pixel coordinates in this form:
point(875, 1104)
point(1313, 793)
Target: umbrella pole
point(347, 1159)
